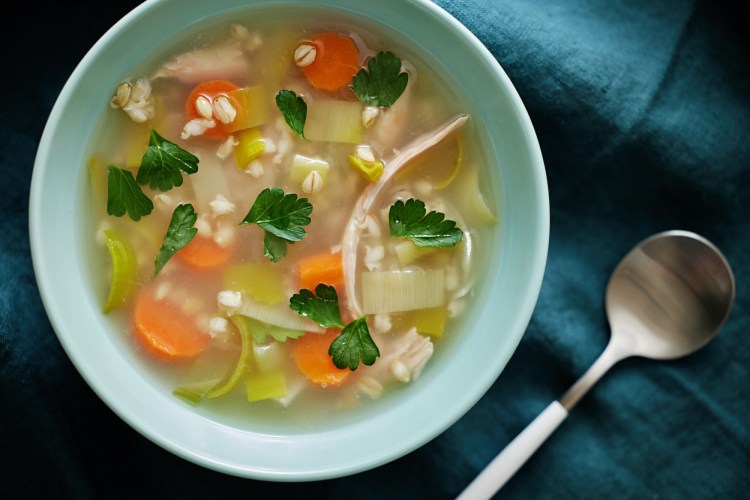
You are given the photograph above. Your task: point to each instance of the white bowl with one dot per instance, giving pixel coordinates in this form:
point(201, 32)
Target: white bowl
point(380, 432)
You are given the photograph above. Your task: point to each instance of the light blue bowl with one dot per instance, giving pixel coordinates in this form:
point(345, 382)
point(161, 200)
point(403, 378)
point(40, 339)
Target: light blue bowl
point(452, 382)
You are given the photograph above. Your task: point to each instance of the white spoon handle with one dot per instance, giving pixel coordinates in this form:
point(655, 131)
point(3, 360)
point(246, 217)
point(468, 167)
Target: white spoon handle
point(502, 468)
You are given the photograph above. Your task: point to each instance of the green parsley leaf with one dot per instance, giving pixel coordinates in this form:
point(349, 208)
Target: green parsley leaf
point(382, 83)
point(163, 163)
point(125, 195)
point(431, 230)
point(323, 307)
point(353, 344)
point(179, 233)
point(274, 247)
point(294, 110)
point(284, 215)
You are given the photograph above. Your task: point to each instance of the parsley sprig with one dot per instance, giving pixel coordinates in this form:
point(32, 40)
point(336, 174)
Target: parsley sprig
point(282, 216)
point(125, 195)
point(163, 163)
point(354, 343)
point(294, 110)
point(382, 82)
point(410, 220)
point(179, 233)
point(161, 168)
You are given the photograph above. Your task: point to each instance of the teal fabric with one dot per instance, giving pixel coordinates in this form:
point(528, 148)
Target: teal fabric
point(642, 110)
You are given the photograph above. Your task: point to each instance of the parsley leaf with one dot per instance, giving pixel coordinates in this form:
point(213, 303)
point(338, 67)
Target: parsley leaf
point(163, 163)
point(323, 308)
point(382, 83)
point(274, 247)
point(179, 233)
point(430, 230)
point(125, 195)
point(294, 110)
point(354, 344)
point(283, 216)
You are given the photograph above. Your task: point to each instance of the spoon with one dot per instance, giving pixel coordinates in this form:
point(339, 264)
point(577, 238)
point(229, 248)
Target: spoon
point(667, 298)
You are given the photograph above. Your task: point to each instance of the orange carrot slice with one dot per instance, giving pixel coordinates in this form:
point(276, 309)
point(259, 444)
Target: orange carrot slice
point(165, 329)
point(210, 90)
point(336, 61)
point(204, 253)
point(321, 268)
point(310, 353)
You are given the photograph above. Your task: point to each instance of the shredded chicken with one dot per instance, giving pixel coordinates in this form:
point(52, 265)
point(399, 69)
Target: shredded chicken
point(369, 196)
point(221, 61)
point(402, 357)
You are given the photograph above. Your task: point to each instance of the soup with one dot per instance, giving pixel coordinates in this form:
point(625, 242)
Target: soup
point(292, 211)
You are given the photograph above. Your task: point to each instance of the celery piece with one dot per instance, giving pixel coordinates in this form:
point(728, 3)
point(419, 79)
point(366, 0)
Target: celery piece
point(250, 147)
point(302, 166)
point(252, 105)
point(98, 175)
point(392, 291)
point(408, 252)
point(262, 386)
point(372, 170)
point(124, 270)
point(230, 382)
point(429, 322)
point(263, 281)
point(334, 121)
point(192, 396)
point(269, 356)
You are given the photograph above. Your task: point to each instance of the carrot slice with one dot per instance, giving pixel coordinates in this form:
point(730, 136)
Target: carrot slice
point(165, 329)
point(310, 353)
point(323, 268)
point(204, 253)
point(210, 90)
point(336, 61)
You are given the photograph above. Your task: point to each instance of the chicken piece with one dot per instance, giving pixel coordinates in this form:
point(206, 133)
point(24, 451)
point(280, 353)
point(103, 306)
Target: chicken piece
point(225, 61)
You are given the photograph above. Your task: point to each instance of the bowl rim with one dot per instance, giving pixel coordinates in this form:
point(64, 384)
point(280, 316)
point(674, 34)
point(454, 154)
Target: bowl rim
point(233, 464)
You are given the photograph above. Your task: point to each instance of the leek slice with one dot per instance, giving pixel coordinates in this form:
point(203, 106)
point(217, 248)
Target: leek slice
point(263, 281)
point(261, 331)
point(371, 170)
point(278, 315)
point(429, 322)
point(407, 252)
point(124, 270)
point(252, 105)
point(250, 146)
point(242, 363)
point(392, 291)
point(456, 166)
point(334, 121)
point(260, 386)
point(269, 357)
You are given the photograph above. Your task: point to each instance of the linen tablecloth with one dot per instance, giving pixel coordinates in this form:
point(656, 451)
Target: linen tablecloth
point(642, 110)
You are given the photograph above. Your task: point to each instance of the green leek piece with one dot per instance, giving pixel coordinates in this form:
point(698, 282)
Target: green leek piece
point(302, 166)
point(440, 185)
point(393, 291)
point(192, 396)
point(252, 105)
point(261, 331)
point(242, 363)
point(427, 321)
point(269, 357)
point(124, 270)
point(372, 170)
point(334, 121)
point(263, 281)
point(250, 147)
point(262, 386)
point(98, 175)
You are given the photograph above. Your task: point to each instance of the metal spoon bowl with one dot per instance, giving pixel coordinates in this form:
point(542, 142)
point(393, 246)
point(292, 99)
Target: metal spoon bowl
point(667, 298)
